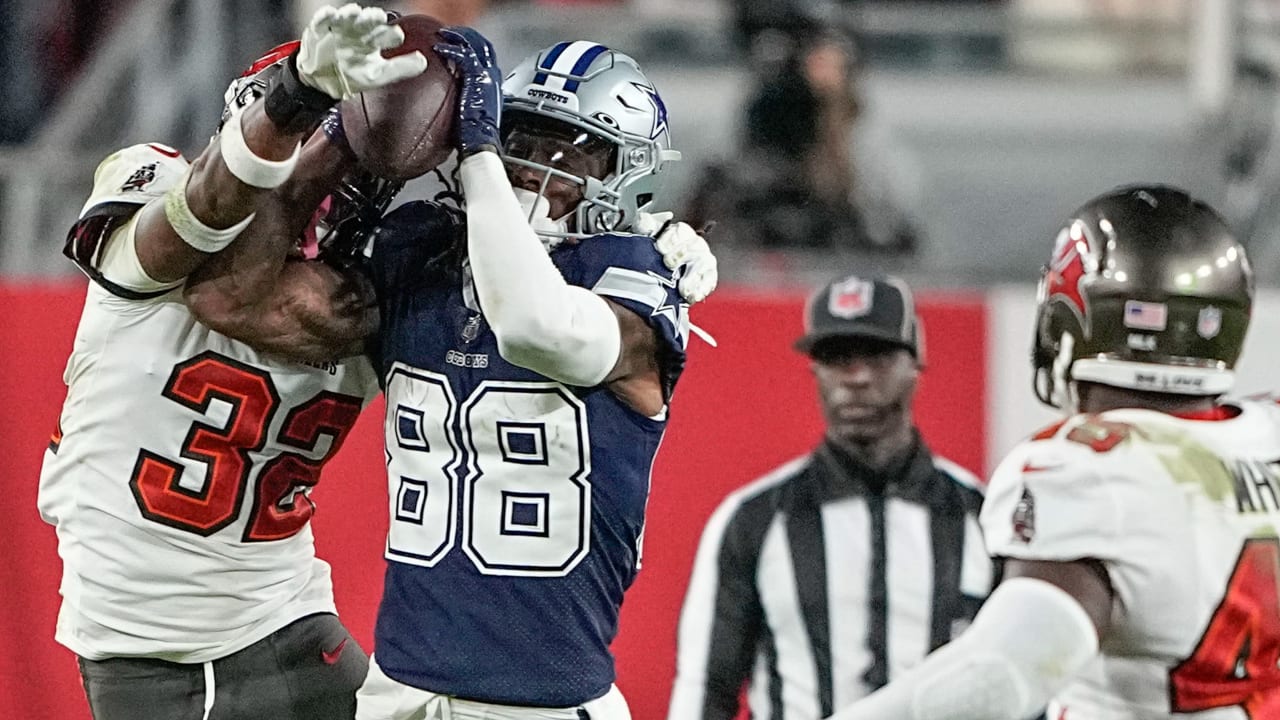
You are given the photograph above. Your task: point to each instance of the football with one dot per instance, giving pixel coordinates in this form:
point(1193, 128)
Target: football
point(405, 129)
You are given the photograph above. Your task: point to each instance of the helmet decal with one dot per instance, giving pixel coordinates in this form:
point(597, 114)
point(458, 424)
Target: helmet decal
point(1073, 260)
point(659, 110)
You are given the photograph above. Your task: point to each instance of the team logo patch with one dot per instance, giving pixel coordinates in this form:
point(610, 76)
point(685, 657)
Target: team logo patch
point(1209, 322)
point(1150, 316)
point(851, 298)
point(1024, 517)
point(140, 179)
point(471, 329)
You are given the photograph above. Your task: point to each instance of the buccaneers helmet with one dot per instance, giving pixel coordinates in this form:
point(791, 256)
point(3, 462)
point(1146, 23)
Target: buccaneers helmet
point(1147, 289)
point(599, 102)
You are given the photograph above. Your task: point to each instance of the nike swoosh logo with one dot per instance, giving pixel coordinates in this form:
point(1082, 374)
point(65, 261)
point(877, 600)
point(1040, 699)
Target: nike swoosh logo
point(330, 657)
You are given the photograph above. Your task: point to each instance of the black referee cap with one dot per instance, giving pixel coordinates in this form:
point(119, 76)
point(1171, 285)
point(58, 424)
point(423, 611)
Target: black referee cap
point(853, 307)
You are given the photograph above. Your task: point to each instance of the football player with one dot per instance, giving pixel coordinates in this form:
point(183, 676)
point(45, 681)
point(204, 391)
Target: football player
point(179, 478)
point(1140, 534)
point(526, 392)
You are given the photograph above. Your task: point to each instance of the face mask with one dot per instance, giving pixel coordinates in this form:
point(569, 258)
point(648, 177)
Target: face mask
point(536, 211)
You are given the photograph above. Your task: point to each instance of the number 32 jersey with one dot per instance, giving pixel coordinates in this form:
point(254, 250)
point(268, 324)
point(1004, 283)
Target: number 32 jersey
point(179, 479)
point(1184, 514)
point(517, 502)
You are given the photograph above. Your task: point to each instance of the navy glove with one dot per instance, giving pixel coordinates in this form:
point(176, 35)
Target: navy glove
point(480, 100)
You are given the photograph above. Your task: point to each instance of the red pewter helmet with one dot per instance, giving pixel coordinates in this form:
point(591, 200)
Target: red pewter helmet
point(1147, 289)
point(602, 102)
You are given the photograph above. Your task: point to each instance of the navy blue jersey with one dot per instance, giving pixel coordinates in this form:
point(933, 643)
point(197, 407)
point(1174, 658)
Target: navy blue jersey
point(517, 502)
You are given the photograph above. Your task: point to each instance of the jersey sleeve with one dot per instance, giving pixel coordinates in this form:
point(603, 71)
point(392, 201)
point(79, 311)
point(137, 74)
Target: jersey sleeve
point(628, 270)
point(101, 242)
point(415, 243)
point(1054, 499)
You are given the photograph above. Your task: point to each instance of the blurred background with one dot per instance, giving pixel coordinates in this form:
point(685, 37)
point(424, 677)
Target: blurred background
point(941, 140)
point(968, 129)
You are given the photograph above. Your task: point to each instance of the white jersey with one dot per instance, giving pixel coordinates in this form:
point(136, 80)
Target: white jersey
point(179, 479)
point(1184, 514)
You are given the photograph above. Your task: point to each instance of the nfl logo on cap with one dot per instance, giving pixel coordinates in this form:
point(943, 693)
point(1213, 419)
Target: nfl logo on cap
point(851, 298)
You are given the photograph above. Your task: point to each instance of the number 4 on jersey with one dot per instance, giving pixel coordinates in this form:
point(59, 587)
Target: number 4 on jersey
point(1235, 663)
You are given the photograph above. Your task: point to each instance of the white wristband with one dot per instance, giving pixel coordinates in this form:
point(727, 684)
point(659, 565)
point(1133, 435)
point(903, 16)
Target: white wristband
point(189, 227)
point(252, 170)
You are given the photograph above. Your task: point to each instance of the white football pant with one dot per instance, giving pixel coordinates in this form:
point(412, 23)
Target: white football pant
point(382, 698)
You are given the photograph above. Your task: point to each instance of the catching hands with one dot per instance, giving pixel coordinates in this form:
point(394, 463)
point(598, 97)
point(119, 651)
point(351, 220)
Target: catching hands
point(681, 245)
point(341, 52)
point(480, 100)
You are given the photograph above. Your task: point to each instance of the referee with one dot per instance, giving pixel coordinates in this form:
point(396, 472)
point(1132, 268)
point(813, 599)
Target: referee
point(823, 580)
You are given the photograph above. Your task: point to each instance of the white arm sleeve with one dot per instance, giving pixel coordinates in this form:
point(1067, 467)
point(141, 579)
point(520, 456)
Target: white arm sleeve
point(541, 322)
point(1027, 643)
point(120, 263)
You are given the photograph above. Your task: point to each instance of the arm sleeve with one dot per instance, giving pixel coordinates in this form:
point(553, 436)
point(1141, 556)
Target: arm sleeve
point(102, 241)
point(720, 623)
point(541, 322)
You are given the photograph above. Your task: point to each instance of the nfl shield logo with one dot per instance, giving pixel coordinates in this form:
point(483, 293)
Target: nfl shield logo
point(1209, 322)
point(851, 298)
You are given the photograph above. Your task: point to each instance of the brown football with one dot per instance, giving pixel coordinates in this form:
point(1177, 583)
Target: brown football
point(405, 129)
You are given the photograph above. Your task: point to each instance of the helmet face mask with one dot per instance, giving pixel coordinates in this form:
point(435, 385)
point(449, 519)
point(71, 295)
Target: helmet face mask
point(1147, 290)
point(600, 99)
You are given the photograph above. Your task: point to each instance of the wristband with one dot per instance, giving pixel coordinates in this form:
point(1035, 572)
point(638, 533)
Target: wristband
point(189, 227)
point(252, 170)
point(291, 104)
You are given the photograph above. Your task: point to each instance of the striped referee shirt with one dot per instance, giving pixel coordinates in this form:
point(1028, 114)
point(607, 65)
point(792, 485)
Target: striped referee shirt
point(820, 582)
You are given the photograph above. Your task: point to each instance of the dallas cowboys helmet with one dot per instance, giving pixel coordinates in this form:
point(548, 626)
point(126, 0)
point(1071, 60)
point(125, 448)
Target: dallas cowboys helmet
point(1147, 289)
point(602, 98)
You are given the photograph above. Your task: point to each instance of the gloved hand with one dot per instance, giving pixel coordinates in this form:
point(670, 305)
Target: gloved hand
point(341, 51)
point(681, 245)
point(480, 101)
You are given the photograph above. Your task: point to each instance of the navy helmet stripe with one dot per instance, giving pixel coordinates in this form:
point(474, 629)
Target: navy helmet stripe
point(581, 66)
point(549, 61)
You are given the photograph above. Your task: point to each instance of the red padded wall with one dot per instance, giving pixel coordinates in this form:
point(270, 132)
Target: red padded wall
point(741, 409)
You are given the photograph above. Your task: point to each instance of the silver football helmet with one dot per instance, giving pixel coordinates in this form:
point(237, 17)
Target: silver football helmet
point(600, 102)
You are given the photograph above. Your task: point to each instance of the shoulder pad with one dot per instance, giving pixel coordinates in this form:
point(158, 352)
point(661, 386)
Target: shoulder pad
point(135, 175)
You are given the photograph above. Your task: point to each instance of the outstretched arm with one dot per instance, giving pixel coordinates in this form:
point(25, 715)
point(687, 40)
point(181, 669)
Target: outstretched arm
point(254, 292)
point(251, 291)
point(1034, 634)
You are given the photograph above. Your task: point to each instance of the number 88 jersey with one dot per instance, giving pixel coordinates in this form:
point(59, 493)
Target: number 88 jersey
point(1184, 514)
point(517, 503)
point(179, 479)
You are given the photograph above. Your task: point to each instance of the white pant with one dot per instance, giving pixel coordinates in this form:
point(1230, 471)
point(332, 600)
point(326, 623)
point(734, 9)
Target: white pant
point(382, 698)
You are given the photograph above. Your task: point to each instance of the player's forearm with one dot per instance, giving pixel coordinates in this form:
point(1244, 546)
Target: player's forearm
point(1027, 643)
point(541, 322)
point(315, 313)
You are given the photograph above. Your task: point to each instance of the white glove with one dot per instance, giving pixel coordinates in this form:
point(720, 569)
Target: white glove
point(341, 52)
point(681, 245)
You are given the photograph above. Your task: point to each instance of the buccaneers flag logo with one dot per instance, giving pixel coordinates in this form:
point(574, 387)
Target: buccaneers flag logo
point(1074, 259)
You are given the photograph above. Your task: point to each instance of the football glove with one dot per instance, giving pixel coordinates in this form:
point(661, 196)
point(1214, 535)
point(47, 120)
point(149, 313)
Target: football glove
point(681, 245)
point(341, 51)
point(480, 100)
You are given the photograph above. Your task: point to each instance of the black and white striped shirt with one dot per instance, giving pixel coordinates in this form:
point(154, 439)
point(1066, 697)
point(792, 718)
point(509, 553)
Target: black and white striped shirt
point(821, 581)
